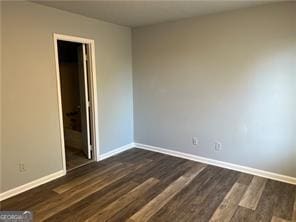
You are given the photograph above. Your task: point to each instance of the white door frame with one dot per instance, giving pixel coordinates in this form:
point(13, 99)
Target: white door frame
point(93, 90)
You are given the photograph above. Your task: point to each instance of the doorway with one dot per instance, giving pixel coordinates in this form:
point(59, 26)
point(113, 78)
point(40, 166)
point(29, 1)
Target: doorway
point(75, 74)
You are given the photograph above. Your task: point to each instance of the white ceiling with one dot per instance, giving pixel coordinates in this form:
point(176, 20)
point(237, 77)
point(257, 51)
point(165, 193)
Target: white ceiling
point(146, 12)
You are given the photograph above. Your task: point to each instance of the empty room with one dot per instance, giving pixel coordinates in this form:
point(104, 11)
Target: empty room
point(148, 110)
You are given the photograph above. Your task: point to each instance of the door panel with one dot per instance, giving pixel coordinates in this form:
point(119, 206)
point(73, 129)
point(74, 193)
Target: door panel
point(90, 96)
point(84, 100)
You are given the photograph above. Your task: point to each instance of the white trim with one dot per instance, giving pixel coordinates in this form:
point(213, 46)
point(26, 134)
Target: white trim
point(60, 103)
point(94, 100)
point(249, 170)
point(86, 106)
point(31, 185)
point(48, 178)
point(117, 151)
point(71, 38)
point(91, 43)
point(244, 169)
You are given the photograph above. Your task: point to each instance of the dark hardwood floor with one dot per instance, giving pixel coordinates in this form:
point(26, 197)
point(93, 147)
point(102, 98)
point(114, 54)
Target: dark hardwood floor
point(75, 158)
point(140, 185)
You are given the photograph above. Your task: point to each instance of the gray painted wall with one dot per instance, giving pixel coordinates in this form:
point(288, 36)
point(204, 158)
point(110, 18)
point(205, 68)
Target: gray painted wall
point(228, 77)
point(29, 89)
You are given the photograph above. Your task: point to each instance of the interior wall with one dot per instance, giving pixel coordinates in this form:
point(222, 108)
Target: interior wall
point(69, 80)
point(29, 87)
point(70, 94)
point(228, 77)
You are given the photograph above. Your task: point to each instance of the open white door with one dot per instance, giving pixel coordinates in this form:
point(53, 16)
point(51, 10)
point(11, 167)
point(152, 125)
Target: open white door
point(84, 100)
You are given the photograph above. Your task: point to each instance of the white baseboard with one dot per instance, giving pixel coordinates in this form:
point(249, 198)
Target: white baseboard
point(248, 170)
point(35, 183)
point(48, 178)
point(117, 151)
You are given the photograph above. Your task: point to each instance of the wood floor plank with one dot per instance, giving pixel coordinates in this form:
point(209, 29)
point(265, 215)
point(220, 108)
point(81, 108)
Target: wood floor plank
point(266, 205)
point(122, 202)
point(43, 192)
point(278, 219)
point(245, 215)
point(204, 206)
point(252, 196)
point(75, 158)
point(190, 200)
point(78, 211)
point(285, 201)
point(51, 207)
point(294, 209)
point(87, 207)
point(245, 179)
point(159, 170)
point(86, 177)
point(176, 209)
point(268, 201)
point(128, 156)
point(106, 191)
point(149, 210)
point(80, 187)
point(164, 182)
point(230, 203)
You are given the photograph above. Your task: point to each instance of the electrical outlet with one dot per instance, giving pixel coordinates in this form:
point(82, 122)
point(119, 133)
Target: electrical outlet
point(195, 141)
point(218, 146)
point(22, 167)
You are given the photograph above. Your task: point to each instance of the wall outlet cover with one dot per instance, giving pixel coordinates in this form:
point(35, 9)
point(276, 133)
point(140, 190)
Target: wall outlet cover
point(218, 146)
point(195, 141)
